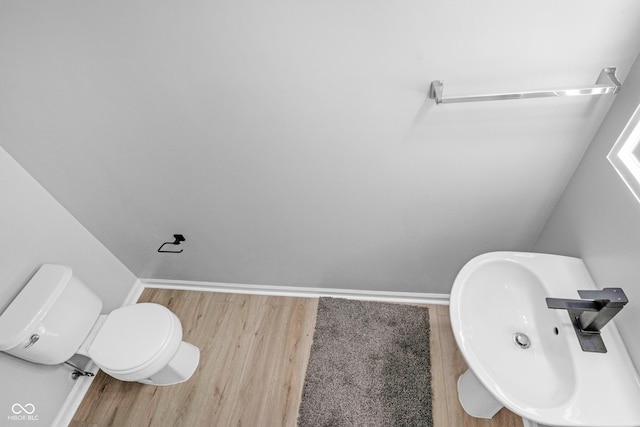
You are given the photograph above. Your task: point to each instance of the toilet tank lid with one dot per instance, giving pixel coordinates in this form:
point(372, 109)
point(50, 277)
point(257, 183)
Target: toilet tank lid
point(33, 302)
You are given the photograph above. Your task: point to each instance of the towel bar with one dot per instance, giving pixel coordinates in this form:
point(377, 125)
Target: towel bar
point(607, 83)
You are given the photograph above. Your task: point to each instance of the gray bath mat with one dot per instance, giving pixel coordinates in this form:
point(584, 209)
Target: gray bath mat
point(369, 366)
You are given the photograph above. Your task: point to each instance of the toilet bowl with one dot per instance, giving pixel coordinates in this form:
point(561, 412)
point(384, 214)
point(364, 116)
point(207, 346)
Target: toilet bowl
point(137, 342)
point(56, 316)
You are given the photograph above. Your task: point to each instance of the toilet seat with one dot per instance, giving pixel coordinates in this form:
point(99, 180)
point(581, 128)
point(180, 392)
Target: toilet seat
point(136, 341)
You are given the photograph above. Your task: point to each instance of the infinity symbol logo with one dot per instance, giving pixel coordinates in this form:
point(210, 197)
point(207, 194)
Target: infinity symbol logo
point(28, 409)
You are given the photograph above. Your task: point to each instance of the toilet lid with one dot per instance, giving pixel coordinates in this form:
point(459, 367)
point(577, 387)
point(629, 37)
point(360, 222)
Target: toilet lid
point(133, 336)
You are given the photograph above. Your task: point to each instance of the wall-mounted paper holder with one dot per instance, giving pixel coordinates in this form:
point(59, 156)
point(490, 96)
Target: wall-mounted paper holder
point(179, 238)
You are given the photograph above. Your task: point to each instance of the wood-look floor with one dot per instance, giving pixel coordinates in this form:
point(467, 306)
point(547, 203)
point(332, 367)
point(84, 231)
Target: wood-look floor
point(254, 352)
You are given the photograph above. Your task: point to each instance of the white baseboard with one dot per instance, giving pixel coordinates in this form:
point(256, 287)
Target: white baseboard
point(74, 399)
point(299, 291)
point(134, 293)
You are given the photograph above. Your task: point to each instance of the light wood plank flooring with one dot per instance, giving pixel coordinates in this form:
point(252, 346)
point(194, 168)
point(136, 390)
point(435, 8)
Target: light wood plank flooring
point(254, 354)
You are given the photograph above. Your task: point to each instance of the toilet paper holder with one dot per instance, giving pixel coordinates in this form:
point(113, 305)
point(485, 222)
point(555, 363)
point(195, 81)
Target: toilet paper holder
point(179, 238)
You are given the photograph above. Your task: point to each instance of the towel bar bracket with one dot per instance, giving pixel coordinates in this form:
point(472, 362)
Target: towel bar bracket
point(607, 83)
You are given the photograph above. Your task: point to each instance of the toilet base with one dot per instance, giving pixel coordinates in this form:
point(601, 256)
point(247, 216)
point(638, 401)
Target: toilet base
point(179, 369)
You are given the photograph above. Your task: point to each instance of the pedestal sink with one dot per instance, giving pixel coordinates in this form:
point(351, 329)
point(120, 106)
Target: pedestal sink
point(525, 356)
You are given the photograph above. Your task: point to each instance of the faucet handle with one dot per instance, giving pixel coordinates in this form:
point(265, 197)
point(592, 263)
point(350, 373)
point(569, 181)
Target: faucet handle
point(616, 296)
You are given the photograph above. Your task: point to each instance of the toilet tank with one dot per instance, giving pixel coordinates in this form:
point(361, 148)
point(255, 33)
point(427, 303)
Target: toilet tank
point(50, 317)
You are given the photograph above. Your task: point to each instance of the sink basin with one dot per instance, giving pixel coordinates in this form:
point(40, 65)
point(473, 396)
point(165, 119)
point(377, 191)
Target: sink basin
point(527, 356)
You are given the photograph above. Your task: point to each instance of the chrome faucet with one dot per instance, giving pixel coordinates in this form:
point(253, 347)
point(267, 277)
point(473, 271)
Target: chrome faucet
point(590, 314)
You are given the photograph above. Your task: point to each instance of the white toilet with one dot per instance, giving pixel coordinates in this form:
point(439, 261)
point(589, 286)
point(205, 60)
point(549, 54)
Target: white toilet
point(56, 316)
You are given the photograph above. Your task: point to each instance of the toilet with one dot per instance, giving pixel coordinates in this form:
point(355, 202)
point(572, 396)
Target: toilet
point(56, 316)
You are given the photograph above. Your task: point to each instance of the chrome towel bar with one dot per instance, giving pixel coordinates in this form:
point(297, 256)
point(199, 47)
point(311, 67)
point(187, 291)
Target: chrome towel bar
point(607, 83)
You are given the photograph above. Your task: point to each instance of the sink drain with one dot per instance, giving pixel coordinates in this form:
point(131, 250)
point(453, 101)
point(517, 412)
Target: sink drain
point(521, 340)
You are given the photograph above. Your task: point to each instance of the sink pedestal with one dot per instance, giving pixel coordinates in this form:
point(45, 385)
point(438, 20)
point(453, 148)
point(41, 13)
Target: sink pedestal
point(475, 398)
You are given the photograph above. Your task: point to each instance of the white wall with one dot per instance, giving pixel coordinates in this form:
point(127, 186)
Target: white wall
point(292, 142)
point(598, 218)
point(35, 229)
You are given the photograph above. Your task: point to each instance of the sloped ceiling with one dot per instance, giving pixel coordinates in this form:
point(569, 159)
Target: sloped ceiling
point(292, 142)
